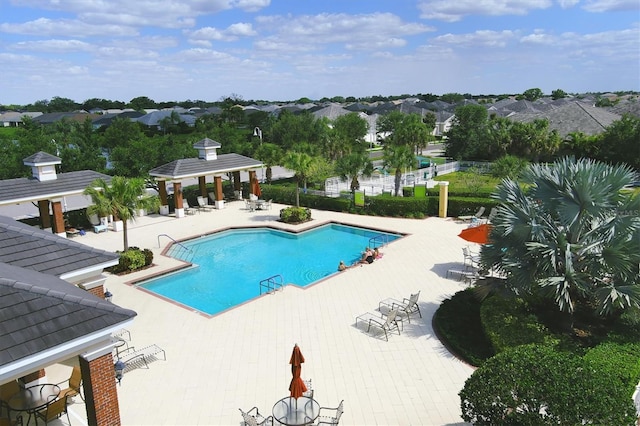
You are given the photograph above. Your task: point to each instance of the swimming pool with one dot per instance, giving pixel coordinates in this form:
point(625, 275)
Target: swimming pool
point(229, 265)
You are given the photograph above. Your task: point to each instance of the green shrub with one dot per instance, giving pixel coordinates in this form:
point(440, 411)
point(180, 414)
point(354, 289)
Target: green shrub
point(295, 215)
point(458, 206)
point(537, 385)
point(620, 361)
point(132, 260)
point(457, 322)
point(508, 322)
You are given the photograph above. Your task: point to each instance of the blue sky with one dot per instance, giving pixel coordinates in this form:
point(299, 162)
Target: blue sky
point(281, 50)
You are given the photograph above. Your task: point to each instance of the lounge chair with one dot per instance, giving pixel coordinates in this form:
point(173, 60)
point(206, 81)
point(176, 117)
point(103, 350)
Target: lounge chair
point(386, 323)
point(202, 205)
point(470, 260)
point(476, 216)
point(405, 306)
point(75, 382)
point(254, 418)
point(330, 416)
point(492, 214)
point(188, 209)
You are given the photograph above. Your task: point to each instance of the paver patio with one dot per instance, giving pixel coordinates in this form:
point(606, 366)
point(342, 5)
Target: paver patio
point(239, 359)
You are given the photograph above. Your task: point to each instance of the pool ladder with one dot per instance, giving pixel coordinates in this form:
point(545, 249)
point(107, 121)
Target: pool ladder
point(271, 284)
point(182, 246)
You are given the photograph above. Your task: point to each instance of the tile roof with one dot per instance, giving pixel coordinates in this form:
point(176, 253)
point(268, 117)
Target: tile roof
point(40, 312)
point(38, 250)
point(13, 191)
point(42, 157)
point(192, 167)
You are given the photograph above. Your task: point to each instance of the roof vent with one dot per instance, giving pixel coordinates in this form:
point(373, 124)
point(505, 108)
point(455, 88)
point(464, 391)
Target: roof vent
point(43, 165)
point(207, 149)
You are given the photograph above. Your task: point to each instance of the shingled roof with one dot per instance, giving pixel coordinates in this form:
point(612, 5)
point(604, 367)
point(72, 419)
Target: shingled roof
point(573, 117)
point(41, 312)
point(194, 167)
point(32, 248)
point(13, 191)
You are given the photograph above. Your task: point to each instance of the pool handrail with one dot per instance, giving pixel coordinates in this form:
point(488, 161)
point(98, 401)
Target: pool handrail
point(174, 241)
point(271, 284)
point(383, 239)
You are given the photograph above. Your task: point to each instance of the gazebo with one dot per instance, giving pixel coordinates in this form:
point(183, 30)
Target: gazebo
point(47, 188)
point(208, 163)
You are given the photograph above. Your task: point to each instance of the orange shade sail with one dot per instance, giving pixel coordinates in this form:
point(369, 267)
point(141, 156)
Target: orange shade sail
point(297, 386)
point(476, 234)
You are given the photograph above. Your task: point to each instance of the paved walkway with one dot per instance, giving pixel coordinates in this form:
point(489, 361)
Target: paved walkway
point(240, 359)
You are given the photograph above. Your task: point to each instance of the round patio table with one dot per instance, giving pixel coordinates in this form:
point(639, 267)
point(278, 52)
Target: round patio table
point(296, 412)
point(34, 398)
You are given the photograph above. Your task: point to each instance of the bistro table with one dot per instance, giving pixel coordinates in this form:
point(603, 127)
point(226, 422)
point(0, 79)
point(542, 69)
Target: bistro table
point(296, 412)
point(33, 399)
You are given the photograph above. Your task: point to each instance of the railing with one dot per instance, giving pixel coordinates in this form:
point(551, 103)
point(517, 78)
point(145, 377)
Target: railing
point(271, 284)
point(174, 241)
point(378, 241)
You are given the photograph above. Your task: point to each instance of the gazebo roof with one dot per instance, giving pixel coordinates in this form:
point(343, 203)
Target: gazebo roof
point(20, 190)
point(194, 167)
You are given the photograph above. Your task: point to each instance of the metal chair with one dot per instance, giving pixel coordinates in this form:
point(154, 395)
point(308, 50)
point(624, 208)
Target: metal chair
point(330, 416)
point(74, 387)
point(54, 410)
point(309, 386)
point(388, 324)
point(470, 260)
point(254, 418)
point(405, 306)
point(476, 216)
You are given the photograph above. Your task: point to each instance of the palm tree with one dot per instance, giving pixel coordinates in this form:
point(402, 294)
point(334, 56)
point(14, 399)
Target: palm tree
point(270, 154)
point(122, 198)
point(571, 234)
point(398, 157)
point(300, 163)
point(352, 165)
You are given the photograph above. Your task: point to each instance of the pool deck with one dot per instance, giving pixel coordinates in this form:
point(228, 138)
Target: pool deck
point(240, 358)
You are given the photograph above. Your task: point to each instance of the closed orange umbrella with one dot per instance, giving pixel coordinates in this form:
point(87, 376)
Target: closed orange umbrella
point(297, 387)
point(476, 234)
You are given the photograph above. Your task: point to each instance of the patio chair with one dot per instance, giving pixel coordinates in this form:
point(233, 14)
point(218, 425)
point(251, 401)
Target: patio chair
point(5, 417)
point(250, 205)
point(470, 260)
point(54, 410)
point(492, 214)
point(212, 197)
point(309, 386)
point(405, 306)
point(202, 204)
point(330, 416)
point(74, 387)
point(187, 208)
point(267, 205)
point(9, 389)
point(254, 418)
point(477, 216)
point(386, 323)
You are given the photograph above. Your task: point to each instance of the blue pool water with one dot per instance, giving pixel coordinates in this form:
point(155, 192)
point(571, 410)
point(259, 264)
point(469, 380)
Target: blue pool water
point(231, 264)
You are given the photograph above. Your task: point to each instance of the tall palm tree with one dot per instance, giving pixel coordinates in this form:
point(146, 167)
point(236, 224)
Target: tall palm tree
point(122, 198)
point(300, 163)
point(398, 157)
point(270, 154)
point(570, 233)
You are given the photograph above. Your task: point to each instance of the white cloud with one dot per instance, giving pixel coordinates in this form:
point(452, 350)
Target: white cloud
point(481, 38)
point(58, 46)
point(611, 5)
point(231, 33)
point(452, 11)
point(67, 28)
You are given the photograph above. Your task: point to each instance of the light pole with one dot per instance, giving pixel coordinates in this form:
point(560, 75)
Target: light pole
point(257, 131)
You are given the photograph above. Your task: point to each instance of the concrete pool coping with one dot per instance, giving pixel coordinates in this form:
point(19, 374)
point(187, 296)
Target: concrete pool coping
point(240, 359)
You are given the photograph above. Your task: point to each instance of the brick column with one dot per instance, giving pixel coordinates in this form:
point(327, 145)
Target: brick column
point(45, 219)
point(164, 202)
point(217, 184)
point(100, 391)
point(58, 219)
point(202, 183)
point(237, 185)
point(177, 198)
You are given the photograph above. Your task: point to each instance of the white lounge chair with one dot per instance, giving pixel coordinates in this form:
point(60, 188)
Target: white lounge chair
point(405, 306)
point(187, 208)
point(386, 323)
point(476, 216)
point(202, 204)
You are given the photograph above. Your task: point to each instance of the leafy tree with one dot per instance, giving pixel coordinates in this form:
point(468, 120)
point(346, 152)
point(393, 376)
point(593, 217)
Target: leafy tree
point(619, 142)
point(121, 132)
point(289, 130)
point(301, 164)
point(346, 135)
point(122, 198)
point(352, 165)
point(405, 129)
point(532, 94)
point(466, 136)
point(537, 385)
point(58, 104)
point(141, 103)
point(558, 94)
point(508, 166)
point(398, 157)
point(568, 234)
point(271, 155)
